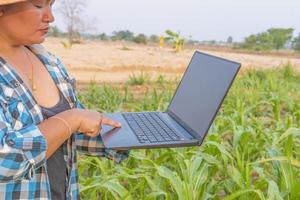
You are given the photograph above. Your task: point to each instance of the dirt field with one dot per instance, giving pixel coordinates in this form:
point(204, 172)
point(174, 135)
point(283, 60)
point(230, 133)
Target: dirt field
point(116, 61)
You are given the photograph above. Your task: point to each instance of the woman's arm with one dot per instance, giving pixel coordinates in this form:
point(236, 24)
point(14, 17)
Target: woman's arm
point(80, 120)
point(24, 150)
point(56, 131)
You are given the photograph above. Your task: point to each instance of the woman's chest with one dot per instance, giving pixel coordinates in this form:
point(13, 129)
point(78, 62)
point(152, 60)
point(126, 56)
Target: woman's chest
point(39, 82)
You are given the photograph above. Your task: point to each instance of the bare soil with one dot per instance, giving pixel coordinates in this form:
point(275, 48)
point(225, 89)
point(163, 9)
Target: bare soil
point(115, 62)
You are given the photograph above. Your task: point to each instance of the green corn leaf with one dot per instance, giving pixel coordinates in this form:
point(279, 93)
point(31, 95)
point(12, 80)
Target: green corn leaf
point(115, 187)
point(291, 131)
point(174, 179)
point(245, 192)
point(152, 184)
point(273, 191)
point(155, 195)
point(236, 176)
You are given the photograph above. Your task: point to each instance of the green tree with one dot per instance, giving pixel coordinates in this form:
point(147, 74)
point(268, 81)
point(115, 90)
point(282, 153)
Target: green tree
point(273, 38)
point(258, 42)
point(264, 42)
point(296, 43)
point(122, 35)
point(140, 39)
point(280, 36)
point(103, 36)
point(154, 38)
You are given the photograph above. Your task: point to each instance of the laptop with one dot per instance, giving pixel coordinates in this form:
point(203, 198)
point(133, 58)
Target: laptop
point(190, 113)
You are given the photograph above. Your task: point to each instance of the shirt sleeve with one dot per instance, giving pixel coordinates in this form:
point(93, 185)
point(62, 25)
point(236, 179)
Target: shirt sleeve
point(94, 146)
point(21, 151)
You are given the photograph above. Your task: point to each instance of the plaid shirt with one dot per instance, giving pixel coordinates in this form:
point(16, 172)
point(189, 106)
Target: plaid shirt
point(23, 173)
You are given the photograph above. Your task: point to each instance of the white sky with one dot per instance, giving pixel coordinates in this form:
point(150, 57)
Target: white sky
point(201, 19)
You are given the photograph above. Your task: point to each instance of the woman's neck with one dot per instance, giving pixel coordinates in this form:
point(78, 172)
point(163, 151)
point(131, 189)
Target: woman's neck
point(9, 49)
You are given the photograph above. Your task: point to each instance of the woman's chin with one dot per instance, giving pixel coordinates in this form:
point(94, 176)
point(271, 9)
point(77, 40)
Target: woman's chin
point(38, 40)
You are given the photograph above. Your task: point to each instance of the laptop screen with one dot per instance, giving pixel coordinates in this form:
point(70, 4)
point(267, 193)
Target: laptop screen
point(201, 91)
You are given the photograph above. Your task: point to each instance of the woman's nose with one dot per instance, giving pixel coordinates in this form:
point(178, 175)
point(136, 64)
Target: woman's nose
point(48, 15)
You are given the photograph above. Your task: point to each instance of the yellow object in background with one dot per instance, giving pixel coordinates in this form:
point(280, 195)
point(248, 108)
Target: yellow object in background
point(161, 41)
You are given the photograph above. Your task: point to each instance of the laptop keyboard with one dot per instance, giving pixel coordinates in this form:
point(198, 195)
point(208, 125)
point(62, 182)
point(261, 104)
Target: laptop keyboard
point(150, 128)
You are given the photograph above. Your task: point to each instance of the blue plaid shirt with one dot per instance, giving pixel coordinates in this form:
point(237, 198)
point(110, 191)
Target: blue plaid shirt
point(23, 173)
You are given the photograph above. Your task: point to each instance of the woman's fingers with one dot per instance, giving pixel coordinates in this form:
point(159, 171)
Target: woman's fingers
point(105, 121)
point(110, 122)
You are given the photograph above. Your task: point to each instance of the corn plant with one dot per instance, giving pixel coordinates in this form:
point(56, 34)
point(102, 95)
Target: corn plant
point(252, 150)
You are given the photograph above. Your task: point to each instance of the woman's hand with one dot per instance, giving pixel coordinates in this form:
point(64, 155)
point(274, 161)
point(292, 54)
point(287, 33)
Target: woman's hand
point(91, 121)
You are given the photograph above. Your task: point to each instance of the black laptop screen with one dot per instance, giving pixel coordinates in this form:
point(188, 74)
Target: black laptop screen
point(202, 90)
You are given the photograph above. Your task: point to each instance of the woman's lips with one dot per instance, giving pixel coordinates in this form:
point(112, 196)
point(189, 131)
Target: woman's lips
point(44, 31)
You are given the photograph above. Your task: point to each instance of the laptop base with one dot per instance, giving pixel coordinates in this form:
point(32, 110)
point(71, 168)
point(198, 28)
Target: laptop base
point(124, 138)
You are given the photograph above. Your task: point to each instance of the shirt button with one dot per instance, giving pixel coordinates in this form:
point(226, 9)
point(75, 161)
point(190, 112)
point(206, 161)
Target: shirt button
point(31, 161)
point(17, 84)
point(7, 98)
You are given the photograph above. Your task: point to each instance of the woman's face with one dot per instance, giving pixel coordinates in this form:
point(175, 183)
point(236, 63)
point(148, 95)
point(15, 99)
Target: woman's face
point(26, 23)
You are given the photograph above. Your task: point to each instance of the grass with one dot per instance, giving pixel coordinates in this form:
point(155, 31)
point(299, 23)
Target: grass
point(139, 79)
point(252, 151)
point(124, 48)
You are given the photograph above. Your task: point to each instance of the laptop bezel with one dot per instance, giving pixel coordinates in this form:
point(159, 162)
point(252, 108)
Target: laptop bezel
point(181, 122)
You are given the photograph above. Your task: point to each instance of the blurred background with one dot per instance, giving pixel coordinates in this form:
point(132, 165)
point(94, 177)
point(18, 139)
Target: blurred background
point(106, 41)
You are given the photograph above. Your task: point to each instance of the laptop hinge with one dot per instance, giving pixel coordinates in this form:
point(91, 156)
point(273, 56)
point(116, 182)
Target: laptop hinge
point(183, 124)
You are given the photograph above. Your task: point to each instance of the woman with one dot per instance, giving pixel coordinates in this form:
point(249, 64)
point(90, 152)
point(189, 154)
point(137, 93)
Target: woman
point(42, 122)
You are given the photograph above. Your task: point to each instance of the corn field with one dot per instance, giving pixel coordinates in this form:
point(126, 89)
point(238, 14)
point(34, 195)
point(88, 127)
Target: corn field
point(252, 151)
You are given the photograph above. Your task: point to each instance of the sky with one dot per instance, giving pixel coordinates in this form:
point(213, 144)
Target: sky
point(194, 19)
